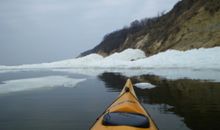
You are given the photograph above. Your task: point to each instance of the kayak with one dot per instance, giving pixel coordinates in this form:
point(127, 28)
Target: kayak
point(125, 113)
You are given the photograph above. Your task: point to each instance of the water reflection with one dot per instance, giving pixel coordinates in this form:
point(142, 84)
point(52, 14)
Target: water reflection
point(197, 101)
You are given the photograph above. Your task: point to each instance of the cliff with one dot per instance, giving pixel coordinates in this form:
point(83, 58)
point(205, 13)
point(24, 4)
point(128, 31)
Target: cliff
point(190, 24)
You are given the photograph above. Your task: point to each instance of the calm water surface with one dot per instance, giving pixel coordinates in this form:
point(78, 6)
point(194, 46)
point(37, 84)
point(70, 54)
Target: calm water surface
point(182, 104)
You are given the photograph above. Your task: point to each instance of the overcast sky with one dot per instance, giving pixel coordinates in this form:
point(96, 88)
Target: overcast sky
point(34, 31)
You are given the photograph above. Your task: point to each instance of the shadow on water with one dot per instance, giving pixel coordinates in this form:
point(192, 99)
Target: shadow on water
point(198, 102)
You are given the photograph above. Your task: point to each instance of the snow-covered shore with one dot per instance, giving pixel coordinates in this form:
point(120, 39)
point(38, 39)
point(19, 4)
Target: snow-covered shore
point(202, 64)
point(136, 59)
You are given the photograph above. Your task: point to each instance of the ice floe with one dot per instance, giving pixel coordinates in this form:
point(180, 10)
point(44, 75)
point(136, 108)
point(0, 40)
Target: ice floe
point(144, 85)
point(36, 83)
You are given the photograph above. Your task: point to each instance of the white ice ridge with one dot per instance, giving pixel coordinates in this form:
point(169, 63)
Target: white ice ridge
point(134, 58)
point(36, 83)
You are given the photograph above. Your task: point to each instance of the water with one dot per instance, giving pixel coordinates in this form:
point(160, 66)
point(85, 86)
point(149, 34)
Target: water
point(177, 104)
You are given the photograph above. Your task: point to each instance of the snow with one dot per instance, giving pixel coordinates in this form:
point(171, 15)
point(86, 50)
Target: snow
point(196, 63)
point(135, 58)
point(126, 55)
point(144, 85)
point(36, 83)
point(196, 58)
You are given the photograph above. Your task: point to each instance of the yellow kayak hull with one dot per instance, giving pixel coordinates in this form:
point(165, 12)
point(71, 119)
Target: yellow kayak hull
point(126, 102)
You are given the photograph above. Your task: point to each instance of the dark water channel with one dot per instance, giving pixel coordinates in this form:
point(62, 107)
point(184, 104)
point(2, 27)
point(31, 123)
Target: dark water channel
point(182, 104)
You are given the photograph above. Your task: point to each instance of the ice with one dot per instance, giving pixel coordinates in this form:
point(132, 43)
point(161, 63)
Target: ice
point(126, 55)
point(134, 58)
point(195, 58)
point(144, 85)
point(36, 83)
point(196, 64)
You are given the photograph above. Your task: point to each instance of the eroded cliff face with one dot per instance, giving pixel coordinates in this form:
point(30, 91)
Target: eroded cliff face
point(201, 30)
point(190, 24)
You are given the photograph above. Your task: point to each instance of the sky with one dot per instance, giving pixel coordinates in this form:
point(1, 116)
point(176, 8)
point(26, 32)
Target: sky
point(37, 31)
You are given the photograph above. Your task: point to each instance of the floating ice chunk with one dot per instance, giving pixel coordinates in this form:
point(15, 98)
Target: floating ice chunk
point(145, 85)
point(35, 83)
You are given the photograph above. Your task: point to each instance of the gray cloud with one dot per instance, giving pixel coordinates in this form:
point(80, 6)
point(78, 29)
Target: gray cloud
point(33, 31)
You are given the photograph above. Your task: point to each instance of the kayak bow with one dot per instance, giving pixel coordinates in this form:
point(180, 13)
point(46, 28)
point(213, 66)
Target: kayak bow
point(125, 113)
